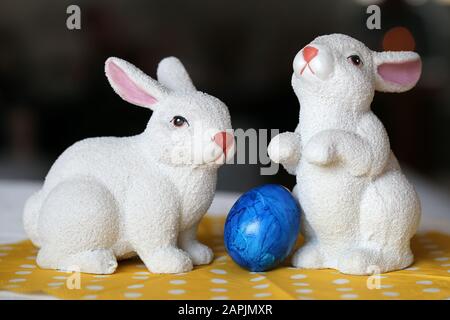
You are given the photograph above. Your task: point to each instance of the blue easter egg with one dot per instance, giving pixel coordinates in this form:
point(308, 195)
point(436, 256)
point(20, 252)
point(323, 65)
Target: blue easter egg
point(262, 227)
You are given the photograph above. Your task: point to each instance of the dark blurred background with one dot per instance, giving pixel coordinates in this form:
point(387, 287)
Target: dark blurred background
point(53, 91)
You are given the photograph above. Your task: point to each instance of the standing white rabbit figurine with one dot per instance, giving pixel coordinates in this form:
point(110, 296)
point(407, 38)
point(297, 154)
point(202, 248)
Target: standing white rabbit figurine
point(109, 198)
point(359, 211)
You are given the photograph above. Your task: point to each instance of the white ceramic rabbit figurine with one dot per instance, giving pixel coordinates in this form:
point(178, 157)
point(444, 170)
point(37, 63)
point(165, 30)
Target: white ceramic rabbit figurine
point(109, 198)
point(359, 211)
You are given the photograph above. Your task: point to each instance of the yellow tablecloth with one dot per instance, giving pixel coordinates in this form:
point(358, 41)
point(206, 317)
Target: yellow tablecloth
point(428, 278)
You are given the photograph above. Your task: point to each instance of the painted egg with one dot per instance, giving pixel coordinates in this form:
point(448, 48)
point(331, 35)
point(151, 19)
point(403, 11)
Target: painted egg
point(262, 227)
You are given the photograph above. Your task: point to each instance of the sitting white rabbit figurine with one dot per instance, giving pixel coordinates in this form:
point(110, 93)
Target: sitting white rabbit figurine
point(109, 198)
point(359, 211)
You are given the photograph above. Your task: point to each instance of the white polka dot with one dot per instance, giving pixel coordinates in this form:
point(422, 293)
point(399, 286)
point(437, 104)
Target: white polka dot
point(90, 297)
point(177, 282)
point(427, 282)
point(55, 284)
point(220, 298)
point(261, 286)
point(142, 273)
point(60, 277)
point(135, 286)
point(132, 295)
point(304, 298)
point(344, 289)
point(386, 286)
point(2, 254)
point(303, 290)
point(445, 265)
point(298, 276)
point(341, 281)
point(17, 280)
point(431, 290)
point(31, 258)
point(140, 277)
point(94, 288)
point(300, 284)
point(28, 266)
point(412, 268)
point(221, 258)
point(257, 272)
point(22, 272)
point(391, 294)
point(349, 296)
point(257, 278)
point(101, 276)
point(6, 248)
point(219, 290)
point(441, 259)
point(215, 280)
point(218, 271)
point(180, 274)
point(11, 286)
point(448, 298)
point(262, 295)
point(177, 291)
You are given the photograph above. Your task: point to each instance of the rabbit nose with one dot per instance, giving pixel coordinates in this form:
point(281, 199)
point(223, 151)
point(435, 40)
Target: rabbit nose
point(224, 140)
point(309, 53)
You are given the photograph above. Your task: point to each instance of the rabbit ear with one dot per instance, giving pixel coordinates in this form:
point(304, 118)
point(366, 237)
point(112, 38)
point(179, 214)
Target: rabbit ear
point(172, 74)
point(396, 71)
point(132, 85)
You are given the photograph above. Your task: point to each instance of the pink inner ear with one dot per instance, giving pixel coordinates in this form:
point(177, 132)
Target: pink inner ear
point(403, 73)
point(127, 88)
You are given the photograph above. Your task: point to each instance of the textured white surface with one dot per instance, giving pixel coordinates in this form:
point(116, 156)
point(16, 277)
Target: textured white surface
point(110, 198)
point(359, 209)
point(13, 194)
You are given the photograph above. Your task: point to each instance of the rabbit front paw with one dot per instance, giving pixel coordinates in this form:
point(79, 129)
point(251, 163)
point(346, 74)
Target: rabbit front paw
point(308, 257)
point(284, 148)
point(320, 150)
point(359, 261)
point(168, 260)
point(199, 253)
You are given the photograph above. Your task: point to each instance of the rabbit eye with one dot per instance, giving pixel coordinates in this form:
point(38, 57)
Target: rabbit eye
point(355, 59)
point(179, 121)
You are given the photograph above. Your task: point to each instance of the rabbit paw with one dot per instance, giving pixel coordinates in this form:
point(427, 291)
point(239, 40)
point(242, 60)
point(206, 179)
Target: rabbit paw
point(168, 260)
point(284, 148)
point(199, 253)
point(308, 257)
point(319, 150)
point(358, 261)
point(100, 261)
